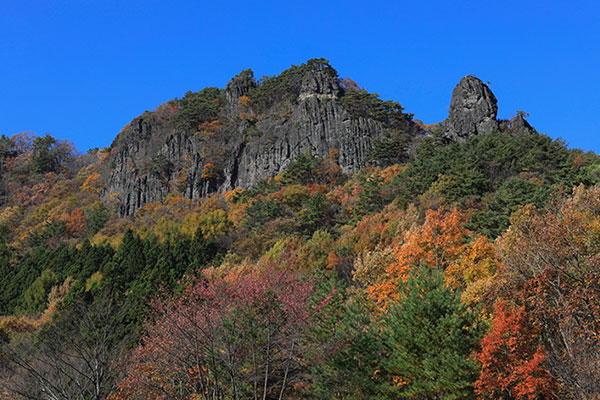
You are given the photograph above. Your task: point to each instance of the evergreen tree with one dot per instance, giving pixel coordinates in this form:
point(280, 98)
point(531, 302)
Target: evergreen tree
point(430, 336)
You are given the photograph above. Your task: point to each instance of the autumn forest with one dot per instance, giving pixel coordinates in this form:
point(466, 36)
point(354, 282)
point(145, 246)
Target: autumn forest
point(297, 237)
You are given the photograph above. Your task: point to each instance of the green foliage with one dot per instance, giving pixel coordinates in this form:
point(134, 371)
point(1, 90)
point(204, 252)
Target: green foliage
point(42, 161)
point(430, 336)
point(389, 149)
point(370, 198)
point(509, 197)
point(303, 170)
point(50, 230)
point(97, 217)
point(362, 104)
point(49, 154)
point(262, 211)
point(476, 169)
point(36, 296)
point(6, 146)
point(197, 108)
point(315, 214)
point(308, 216)
point(160, 164)
point(286, 86)
point(348, 370)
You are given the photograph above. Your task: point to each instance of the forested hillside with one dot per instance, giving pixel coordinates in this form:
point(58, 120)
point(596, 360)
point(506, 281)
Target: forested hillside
point(297, 237)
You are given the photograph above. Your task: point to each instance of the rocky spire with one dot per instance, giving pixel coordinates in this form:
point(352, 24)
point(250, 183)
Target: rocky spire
point(321, 81)
point(517, 124)
point(473, 110)
point(239, 86)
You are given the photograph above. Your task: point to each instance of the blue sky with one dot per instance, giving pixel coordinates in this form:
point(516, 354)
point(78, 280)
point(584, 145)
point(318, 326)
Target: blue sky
point(81, 69)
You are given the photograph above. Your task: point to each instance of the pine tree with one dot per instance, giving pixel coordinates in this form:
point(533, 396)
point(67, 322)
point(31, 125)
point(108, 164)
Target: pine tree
point(430, 336)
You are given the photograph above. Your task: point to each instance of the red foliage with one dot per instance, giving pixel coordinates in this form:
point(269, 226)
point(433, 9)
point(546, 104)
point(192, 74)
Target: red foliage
point(230, 335)
point(512, 358)
point(76, 222)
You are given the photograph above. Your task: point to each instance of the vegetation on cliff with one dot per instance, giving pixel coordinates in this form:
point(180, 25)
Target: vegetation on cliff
point(459, 269)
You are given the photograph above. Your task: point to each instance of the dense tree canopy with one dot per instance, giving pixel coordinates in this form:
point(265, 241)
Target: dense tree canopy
point(439, 270)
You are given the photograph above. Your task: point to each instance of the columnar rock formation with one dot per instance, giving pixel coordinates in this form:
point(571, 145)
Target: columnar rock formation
point(246, 150)
point(261, 127)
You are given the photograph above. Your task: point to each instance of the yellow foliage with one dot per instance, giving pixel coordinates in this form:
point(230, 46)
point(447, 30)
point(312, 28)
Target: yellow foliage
point(215, 224)
point(93, 280)
point(10, 216)
point(42, 213)
point(190, 224)
point(12, 325)
point(276, 251)
point(293, 195)
point(56, 295)
point(315, 252)
point(92, 183)
point(371, 267)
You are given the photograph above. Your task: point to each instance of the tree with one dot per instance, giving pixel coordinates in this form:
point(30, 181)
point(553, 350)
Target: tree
point(97, 216)
point(49, 154)
point(350, 366)
point(438, 243)
point(303, 170)
point(512, 358)
point(237, 336)
point(35, 297)
point(430, 337)
point(550, 259)
point(73, 358)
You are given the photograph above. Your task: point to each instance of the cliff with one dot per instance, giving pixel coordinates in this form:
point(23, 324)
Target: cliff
point(473, 111)
point(219, 139)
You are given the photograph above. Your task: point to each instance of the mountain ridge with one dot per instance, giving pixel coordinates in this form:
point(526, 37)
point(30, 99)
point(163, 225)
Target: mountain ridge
point(219, 139)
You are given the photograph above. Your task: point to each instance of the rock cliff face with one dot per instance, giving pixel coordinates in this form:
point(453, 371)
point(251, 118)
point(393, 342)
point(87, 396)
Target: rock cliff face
point(152, 157)
point(473, 111)
point(220, 139)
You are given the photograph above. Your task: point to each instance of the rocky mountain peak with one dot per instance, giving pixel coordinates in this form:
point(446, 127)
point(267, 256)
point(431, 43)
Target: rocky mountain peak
point(240, 85)
point(473, 110)
point(517, 124)
point(320, 82)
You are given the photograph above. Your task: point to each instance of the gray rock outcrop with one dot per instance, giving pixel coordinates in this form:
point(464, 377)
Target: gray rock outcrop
point(473, 110)
point(151, 158)
point(257, 138)
point(517, 124)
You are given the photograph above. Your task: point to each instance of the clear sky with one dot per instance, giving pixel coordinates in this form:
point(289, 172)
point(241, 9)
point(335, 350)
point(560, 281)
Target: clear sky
point(81, 69)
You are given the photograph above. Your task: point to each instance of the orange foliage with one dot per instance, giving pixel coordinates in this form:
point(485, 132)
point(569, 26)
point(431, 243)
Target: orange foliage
point(349, 84)
point(92, 183)
point(390, 173)
point(76, 222)
point(330, 168)
point(380, 229)
point(209, 128)
point(208, 171)
point(550, 259)
point(512, 359)
point(439, 242)
point(244, 101)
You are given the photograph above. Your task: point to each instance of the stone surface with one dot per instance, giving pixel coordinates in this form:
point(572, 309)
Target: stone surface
point(150, 159)
point(517, 124)
point(473, 110)
point(239, 86)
